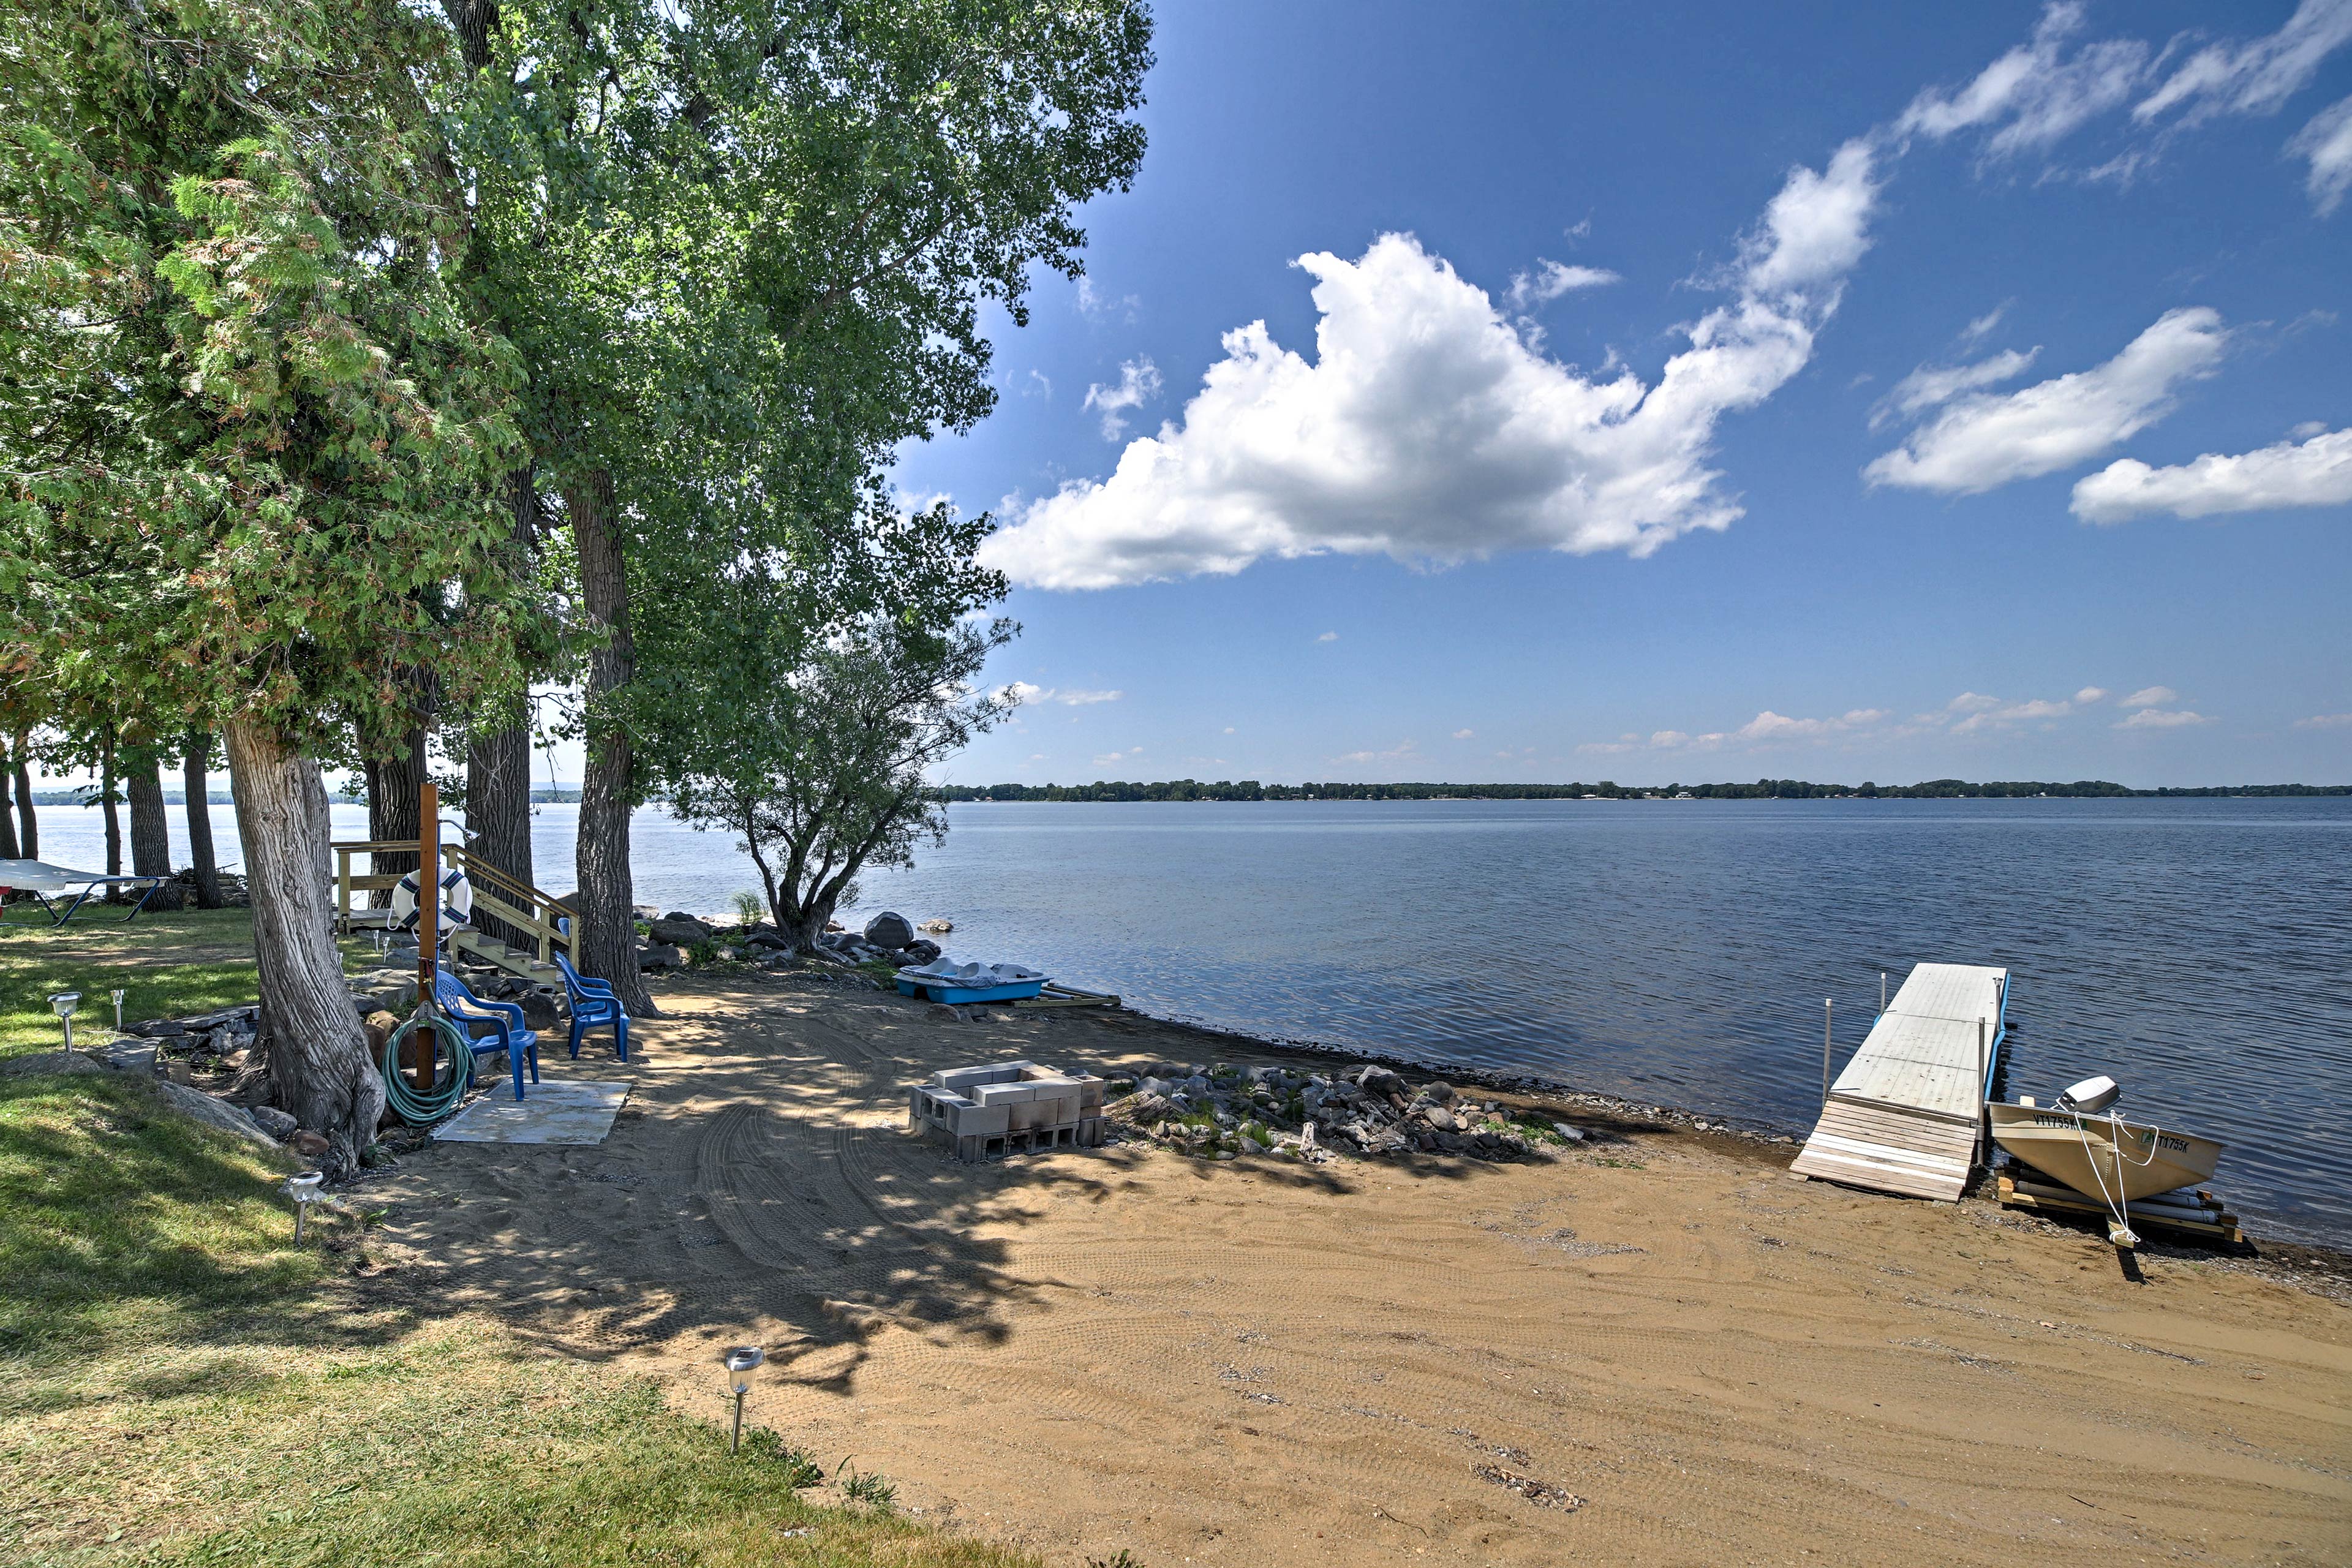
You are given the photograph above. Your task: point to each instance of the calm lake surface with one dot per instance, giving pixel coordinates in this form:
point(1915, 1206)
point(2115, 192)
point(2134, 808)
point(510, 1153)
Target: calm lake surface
point(2200, 951)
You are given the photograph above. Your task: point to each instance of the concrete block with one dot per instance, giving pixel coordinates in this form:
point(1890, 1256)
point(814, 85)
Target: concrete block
point(985, 1121)
point(1090, 1091)
point(1028, 1115)
point(1005, 1094)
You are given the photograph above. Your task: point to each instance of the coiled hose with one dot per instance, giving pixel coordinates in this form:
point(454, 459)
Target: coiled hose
point(453, 1075)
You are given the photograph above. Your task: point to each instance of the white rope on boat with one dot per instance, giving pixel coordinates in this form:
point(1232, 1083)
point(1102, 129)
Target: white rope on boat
point(2118, 1207)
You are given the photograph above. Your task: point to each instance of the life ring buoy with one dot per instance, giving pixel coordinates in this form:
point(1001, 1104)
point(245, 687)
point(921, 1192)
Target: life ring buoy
point(456, 902)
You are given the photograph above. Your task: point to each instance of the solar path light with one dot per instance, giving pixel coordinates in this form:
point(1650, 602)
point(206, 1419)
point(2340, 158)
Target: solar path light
point(741, 1360)
point(63, 1003)
point(118, 995)
point(305, 1187)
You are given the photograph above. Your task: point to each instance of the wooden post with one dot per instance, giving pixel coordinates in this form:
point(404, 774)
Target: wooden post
point(343, 891)
point(1828, 1011)
point(1983, 1116)
point(428, 915)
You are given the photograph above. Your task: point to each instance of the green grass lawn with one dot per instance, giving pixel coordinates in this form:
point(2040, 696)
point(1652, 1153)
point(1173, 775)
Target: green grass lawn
point(170, 965)
point(181, 1383)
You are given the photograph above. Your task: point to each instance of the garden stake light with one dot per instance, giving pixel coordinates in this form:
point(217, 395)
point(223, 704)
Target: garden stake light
point(304, 1188)
point(739, 1360)
point(63, 1003)
point(118, 995)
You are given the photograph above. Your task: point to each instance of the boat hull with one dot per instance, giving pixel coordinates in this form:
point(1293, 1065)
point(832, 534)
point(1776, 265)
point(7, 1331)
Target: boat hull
point(2081, 1151)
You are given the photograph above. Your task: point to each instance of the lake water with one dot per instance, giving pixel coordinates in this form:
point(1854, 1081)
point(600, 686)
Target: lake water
point(2200, 951)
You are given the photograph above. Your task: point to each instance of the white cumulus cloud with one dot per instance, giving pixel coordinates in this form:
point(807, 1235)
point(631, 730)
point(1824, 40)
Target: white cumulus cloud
point(1975, 331)
point(1464, 734)
point(2151, 697)
point(1429, 430)
point(2255, 76)
point(1550, 279)
point(2037, 93)
point(2325, 721)
point(1932, 385)
point(1766, 728)
point(2162, 718)
point(2090, 694)
point(2326, 142)
point(1983, 439)
point(1138, 383)
point(1991, 713)
point(1027, 691)
point(2315, 472)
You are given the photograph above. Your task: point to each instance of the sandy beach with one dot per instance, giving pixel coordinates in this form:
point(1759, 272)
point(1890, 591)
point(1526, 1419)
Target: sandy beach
point(1656, 1348)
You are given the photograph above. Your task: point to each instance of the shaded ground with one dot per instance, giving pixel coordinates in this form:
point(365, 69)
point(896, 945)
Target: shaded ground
point(1253, 1362)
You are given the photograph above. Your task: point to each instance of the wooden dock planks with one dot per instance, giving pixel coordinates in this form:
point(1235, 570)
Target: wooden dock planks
point(1904, 1115)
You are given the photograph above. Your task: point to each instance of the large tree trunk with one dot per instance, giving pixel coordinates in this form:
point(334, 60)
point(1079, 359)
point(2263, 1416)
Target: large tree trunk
point(393, 781)
point(498, 764)
point(197, 771)
point(106, 803)
point(606, 926)
point(28, 822)
point(7, 818)
point(319, 1066)
point(498, 815)
point(150, 827)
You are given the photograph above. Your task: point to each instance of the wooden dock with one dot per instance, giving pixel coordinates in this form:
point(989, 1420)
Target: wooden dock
point(1907, 1113)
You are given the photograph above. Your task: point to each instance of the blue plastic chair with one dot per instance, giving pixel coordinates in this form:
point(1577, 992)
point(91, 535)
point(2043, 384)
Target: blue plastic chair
point(593, 1006)
point(503, 1019)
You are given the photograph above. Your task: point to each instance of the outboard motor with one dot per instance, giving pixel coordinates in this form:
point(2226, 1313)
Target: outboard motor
point(2091, 1095)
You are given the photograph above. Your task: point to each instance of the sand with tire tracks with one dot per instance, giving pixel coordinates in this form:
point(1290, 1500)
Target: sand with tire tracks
point(1657, 1349)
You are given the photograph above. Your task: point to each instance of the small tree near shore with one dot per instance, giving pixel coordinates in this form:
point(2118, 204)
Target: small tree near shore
point(822, 774)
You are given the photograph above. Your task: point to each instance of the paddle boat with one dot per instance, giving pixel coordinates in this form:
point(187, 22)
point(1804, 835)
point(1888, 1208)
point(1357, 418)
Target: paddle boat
point(941, 981)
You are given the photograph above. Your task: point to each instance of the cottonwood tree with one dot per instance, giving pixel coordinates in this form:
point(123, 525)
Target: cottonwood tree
point(744, 247)
point(247, 423)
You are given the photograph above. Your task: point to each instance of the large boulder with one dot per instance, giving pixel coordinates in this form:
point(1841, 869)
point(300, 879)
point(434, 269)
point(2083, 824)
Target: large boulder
point(50, 1061)
point(195, 1103)
point(890, 929)
point(680, 931)
point(659, 958)
point(918, 951)
point(1380, 1081)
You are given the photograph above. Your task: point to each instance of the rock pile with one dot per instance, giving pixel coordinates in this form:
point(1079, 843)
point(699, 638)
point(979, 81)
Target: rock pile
point(888, 937)
point(1222, 1112)
point(674, 937)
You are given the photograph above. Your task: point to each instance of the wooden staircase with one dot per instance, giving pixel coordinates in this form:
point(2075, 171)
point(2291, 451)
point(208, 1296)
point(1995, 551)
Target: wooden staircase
point(514, 903)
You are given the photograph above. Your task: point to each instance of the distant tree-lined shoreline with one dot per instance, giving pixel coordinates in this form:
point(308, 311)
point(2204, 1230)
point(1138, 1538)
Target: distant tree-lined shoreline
point(1762, 789)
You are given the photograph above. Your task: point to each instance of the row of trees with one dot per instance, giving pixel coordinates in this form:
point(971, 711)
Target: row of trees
point(1762, 789)
point(361, 366)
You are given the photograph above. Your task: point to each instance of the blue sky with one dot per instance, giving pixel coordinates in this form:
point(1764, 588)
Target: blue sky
point(1694, 392)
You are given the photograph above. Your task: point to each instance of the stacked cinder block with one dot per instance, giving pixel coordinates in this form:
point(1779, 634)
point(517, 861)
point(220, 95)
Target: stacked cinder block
point(1009, 1108)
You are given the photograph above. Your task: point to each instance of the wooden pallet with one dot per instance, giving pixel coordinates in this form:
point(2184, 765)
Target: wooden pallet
point(2206, 1217)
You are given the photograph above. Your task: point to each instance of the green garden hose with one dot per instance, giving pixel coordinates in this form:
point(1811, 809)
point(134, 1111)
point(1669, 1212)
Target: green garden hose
point(452, 1075)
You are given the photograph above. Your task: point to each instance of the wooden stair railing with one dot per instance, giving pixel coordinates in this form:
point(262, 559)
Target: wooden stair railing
point(509, 899)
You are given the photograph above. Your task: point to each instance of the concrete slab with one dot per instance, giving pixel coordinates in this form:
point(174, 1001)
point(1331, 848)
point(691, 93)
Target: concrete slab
point(562, 1111)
